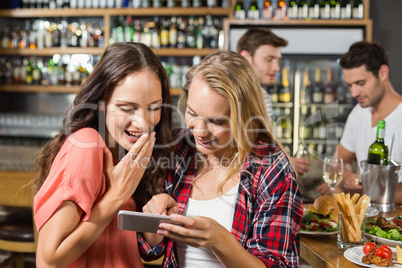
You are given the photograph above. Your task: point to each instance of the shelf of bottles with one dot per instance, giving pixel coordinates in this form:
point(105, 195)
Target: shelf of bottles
point(324, 104)
point(300, 10)
point(310, 105)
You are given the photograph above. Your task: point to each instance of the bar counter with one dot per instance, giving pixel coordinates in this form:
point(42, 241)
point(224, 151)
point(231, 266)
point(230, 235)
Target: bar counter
point(321, 251)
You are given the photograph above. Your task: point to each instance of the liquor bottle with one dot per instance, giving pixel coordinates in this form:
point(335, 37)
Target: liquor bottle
point(210, 33)
point(156, 37)
point(84, 35)
point(120, 30)
point(212, 3)
point(171, 3)
point(145, 3)
point(221, 33)
point(32, 4)
point(267, 11)
point(136, 3)
point(185, 3)
point(277, 122)
point(378, 151)
point(306, 90)
point(73, 3)
point(358, 9)
point(283, 89)
point(138, 32)
point(318, 89)
point(146, 35)
point(240, 13)
point(281, 10)
point(335, 9)
point(253, 11)
point(293, 10)
point(273, 92)
point(37, 72)
point(39, 4)
point(322, 126)
point(314, 10)
point(287, 125)
point(329, 93)
point(305, 127)
point(173, 32)
point(346, 10)
point(158, 3)
point(25, 3)
point(325, 9)
point(28, 69)
point(181, 34)
point(164, 34)
point(190, 37)
point(199, 37)
point(128, 30)
point(302, 10)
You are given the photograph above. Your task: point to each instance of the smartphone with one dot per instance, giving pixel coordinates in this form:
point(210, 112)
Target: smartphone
point(141, 222)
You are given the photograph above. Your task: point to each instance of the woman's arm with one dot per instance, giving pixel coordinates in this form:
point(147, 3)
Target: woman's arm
point(63, 238)
point(160, 204)
point(206, 232)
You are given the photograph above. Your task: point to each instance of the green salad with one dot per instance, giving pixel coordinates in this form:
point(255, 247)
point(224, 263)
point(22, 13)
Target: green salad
point(311, 222)
point(392, 234)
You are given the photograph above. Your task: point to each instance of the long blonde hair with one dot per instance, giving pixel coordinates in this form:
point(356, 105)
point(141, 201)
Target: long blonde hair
point(233, 77)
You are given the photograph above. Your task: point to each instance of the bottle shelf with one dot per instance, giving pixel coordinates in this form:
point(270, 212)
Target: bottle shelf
point(182, 52)
point(55, 89)
point(301, 22)
point(51, 51)
point(320, 105)
point(282, 104)
point(101, 12)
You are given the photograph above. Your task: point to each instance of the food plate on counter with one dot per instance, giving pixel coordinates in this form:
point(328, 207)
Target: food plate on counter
point(356, 254)
point(384, 241)
point(317, 233)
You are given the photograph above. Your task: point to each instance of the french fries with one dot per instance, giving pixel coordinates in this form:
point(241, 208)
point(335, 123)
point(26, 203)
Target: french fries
point(353, 210)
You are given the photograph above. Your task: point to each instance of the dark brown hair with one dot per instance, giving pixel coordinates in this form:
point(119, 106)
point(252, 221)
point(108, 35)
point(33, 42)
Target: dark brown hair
point(256, 37)
point(372, 55)
point(117, 62)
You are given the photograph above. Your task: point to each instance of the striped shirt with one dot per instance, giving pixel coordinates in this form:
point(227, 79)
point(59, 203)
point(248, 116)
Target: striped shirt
point(268, 208)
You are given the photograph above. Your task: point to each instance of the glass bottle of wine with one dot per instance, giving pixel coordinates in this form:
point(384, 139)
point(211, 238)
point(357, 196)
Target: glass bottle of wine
point(283, 88)
point(378, 151)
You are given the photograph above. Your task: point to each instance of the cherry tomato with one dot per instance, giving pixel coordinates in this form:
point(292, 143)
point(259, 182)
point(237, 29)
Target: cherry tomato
point(383, 253)
point(388, 249)
point(369, 247)
point(324, 225)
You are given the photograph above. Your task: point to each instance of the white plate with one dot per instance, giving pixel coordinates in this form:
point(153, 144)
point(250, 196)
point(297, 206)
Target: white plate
point(317, 233)
point(356, 254)
point(384, 241)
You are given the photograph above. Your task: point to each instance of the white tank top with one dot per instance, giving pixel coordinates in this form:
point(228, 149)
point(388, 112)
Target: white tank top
point(220, 209)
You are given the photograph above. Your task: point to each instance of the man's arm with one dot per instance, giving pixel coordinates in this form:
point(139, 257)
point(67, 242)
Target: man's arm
point(398, 195)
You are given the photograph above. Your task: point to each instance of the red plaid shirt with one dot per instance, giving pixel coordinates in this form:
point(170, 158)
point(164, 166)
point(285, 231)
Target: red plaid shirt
point(268, 209)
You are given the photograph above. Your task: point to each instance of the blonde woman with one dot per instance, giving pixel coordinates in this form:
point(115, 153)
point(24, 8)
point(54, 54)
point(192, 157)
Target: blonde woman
point(231, 184)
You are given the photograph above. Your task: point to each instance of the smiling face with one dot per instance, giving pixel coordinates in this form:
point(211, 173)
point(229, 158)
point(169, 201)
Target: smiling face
point(364, 86)
point(207, 115)
point(265, 62)
point(133, 108)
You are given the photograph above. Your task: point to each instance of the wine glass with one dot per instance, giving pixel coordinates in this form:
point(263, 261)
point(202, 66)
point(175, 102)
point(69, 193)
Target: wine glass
point(332, 171)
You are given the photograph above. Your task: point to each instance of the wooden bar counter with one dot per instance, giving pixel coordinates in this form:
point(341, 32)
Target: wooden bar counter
point(321, 251)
